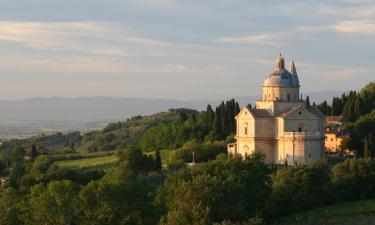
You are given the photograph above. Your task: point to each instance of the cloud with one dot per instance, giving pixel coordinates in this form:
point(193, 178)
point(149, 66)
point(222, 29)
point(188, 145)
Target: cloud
point(343, 73)
point(264, 38)
point(355, 26)
point(86, 37)
point(274, 38)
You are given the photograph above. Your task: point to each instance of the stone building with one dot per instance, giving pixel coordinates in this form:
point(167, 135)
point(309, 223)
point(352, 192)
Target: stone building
point(334, 135)
point(281, 126)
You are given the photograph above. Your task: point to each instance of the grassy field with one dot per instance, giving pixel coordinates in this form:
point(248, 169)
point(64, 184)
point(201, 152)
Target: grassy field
point(98, 162)
point(358, 213)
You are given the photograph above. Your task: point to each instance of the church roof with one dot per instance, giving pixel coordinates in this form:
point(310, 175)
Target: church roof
point(281, 77)
point(260, 113)
point(311, 109)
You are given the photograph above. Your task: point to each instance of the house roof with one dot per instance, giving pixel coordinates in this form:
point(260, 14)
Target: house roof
point(333, 120)
point(311, 109)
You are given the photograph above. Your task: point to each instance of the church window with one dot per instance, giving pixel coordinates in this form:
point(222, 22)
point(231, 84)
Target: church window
point(245, 130)
point(300, 112)
point(300, 129)
point(288, 96)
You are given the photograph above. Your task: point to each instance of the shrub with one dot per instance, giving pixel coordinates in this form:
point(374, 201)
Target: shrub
point(223, 189)
point(354, 179)
point(300, 187)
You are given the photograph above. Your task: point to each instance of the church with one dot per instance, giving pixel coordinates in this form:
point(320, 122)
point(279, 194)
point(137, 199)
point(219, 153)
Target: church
point(282, 125)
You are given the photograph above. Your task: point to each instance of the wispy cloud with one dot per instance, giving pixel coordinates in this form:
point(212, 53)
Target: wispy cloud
point(355, 26)
point(264, 38)
point(86, 37)
point(343, 73)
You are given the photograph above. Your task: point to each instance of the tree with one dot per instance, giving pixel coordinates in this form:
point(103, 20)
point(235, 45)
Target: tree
point(210, 114)
point(17, 154)
point(132, 159)
point(10, 209)
point(300, 187)
point(34, 152)
point(354, 179)
point(203, 194)
point(41, 165)
point(55, 204)
point(158, 165)
point(307, 102)
point(17, 171)
point(366, 150)
point(119, 198)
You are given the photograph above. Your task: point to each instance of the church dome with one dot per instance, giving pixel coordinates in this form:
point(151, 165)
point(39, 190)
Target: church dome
point(280, 76)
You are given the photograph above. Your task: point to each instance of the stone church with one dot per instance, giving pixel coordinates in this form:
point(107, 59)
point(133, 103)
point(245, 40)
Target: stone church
point(281, 126)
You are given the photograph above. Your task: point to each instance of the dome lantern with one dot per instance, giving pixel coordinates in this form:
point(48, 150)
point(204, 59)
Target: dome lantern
point(279, 64)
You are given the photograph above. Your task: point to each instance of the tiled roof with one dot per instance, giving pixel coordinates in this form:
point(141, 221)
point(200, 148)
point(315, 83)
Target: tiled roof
point(260, 113)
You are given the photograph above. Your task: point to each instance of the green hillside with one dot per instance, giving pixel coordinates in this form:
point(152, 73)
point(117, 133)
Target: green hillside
point(358, 213)
point(114, 136)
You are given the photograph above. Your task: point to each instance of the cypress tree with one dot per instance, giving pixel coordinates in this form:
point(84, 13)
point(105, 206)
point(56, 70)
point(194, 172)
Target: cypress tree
point(217, 122)
point(210, 114)
point(371, 145)
point(357, 108)
point(34, 152)
point(237, 109)
point(158, 165)
point(335, 107)
point(307, 102)
point(223, 118)
point(366, 150)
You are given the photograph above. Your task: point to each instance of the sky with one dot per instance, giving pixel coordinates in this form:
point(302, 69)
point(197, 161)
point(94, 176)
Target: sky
point(179, 49)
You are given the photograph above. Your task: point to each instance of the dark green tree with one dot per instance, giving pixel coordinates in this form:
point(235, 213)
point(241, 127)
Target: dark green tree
point(366, 150)
point(134, 160)
point(307, 102)
point(158, 164)
point(203, 194)
point(34, 152)
point(55, 204)
point(210, 114)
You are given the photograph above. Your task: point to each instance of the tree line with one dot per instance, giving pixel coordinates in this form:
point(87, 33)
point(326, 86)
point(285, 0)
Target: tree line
point(227, 190)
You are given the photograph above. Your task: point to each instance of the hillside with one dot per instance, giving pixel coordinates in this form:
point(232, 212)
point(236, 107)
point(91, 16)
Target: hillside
point(358, 212)
point(112, 137)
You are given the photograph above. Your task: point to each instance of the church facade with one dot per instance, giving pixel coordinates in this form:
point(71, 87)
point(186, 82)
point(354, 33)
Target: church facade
point(281, 125)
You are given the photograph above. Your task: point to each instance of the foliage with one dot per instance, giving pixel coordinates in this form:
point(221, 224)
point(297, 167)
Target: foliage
point(134, 160)
point(158, 164)
point(352, 213)
point(202, 152)
point(41, 165)
point(354, 179)
point(360, 130)
point(204, 194)
point(300, 187)
point(55, 204)
point(10, 207)
point(127, 200)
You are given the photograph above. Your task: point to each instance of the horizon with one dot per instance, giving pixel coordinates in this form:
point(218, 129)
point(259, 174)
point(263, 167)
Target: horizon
point(157, 49)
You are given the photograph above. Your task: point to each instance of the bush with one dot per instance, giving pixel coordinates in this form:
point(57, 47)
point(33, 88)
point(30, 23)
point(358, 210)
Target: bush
point(354, 179)
point(223, 189)
point(202, 152)
point(299, 188)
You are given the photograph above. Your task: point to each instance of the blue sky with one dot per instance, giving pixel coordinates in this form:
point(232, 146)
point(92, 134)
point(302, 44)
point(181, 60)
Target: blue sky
point(178, 49)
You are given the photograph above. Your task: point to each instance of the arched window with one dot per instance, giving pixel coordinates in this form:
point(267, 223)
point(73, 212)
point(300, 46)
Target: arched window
point(245, 130)
point(288, 96)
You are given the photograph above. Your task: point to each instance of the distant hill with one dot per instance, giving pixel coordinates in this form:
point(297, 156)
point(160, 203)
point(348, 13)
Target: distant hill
point(113, 136)
point(112, 108)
